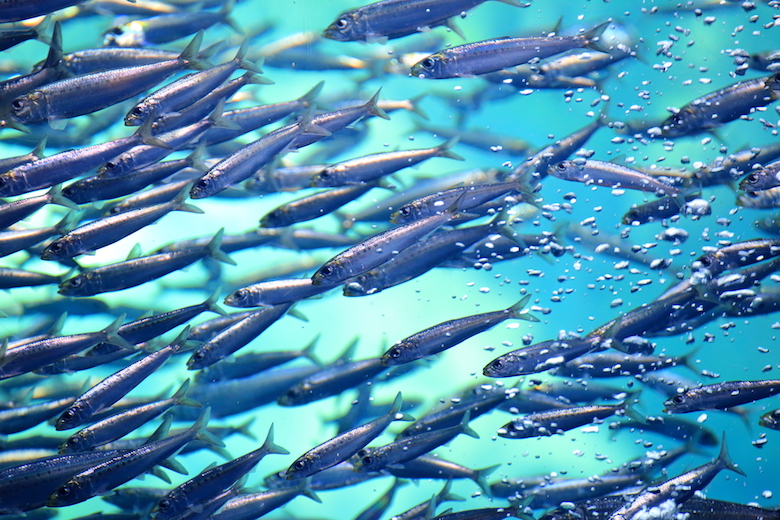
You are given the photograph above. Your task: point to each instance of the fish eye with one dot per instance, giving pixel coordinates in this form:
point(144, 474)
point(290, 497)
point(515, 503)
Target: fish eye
point(426, 63)
point(199, 355)
point(3, 180)
point(395, 352)
point(497, 364)
point(75, 282)
point(342, 23)
point(202, 184)
point(405, 211)
point(705, 261)
point(362, 453)
point(326, 270)
point(561, 166)
point(69, 414)
point(678, 399)
point(324, 174)
point(110, 165)
point(73, 441)
point(117, 30)
point(138, 111)
point(300, 464)
point(367, 461)
point(240, 294)
point(164, 504)
point(63, 491)
point(55, 247)
point(753, 177)
point(18, 103)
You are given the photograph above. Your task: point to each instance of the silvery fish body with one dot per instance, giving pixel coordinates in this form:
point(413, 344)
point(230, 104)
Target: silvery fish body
point(396, 18)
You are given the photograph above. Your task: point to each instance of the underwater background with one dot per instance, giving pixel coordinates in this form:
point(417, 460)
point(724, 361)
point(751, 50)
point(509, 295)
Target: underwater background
point(573, 293)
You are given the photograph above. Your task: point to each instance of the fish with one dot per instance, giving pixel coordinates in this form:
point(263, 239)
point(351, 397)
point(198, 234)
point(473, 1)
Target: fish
point(88, 238)
point(120, 424)
point(345, 445)
point(449, 333)
point(390, 19)
point(211, 481)
point(370, 167)
point(722, 106)
point(114, 387)
point(91, 92)
point(473, 59)
point(721, 395)
point(609, 174)
point(679, 488)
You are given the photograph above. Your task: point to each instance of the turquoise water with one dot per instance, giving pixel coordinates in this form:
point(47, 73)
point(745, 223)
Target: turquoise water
point(635, 90)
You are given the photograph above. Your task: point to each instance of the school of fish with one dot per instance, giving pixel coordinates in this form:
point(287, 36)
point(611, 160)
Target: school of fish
point(216, 213)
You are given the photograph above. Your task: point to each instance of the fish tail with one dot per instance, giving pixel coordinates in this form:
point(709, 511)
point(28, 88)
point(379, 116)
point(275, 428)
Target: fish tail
point(58, 198)
point(465, 428)
point(395, 411)
point(181, 399)
point(687, 360)
point(217, 120)
point(215, 252)
point(40, 148)
point(246, 429)
point(195, 158)
point(725, 459)
point(179, 204)
point(308, 352)
point(269, 446)
point(190, 53)
point(629, 408)
point(306, 491)
point(307, 125)
point(40, 30)
point(414, 104)
point(211, 303)
point(113, 337)
point(518, 311)
point(446, 496)
point(228, 20)
point(54, 58)
point(592, 38)
point(373, 108)
point(312, 94)
point(480, 478)
point(246, 64)
point(145, 133)
point(204, 435)
point(443, 150)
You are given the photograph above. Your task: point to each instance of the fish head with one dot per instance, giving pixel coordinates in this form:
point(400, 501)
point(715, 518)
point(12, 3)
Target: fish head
point(140, 113)
point(57, 250)
point(69, 493)
point(348, 27)
point(130, 34)
point(118, 165)
point(400, 353)
point(770, 420)
point(566, 170)
point(499, 367)
point(201, 358)
point(207, 186)
point(367, 460)
point(240, 298)
point(76, 442)
point(433, 67)
point(11, 184)
point(686, 121)
point(77, 286)
point(329, 177)
point(295, 395)
point(332, 272)
point(678, 404)
point(406, 214)
point(30, 107)
point(301, 468)
point(70, 418)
